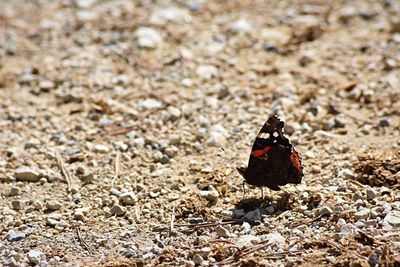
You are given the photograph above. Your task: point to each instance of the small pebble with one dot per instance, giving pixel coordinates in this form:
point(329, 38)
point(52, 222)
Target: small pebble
point(35, 257)
point(254, 215)
point(207, 72)
point(101, 149)
point(325, 210)
point(26, 174)
point(147, 37)
point(241, 26)
point(211, 195)
point(371, 194)
point(222, 232)
point(15, 236)
point(117, 210)
point(198, 259)
point(17, 204)
point(362, 214)
point(128, 198)
point(53, 205)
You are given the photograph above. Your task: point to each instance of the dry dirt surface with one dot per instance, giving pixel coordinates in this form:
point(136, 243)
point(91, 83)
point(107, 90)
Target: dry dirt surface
point(122, 124)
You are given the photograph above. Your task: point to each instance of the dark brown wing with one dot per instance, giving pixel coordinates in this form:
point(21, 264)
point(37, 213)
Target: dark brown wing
point(273, 161)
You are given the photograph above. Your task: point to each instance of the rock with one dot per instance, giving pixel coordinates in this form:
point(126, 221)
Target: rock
point(147, 37)
point(270, 210)
point(150, 103)
point(128, 198)
point(26, 174)
point(13, 236)
point(190, 264)
point(246, 240)
point(117, 210)
point(241, 26)
point(217, 136)
point(170, 14)
point(84, 3)
point(79, 215)
point(35, 257)
point(53, 205)
point(325, 210)
point(276, 238)
point(222, 232)
point(211, 195)
point(393, 218)
point(254, 215)
point(362, 214)
point(17, 204)
point(87, 177)
point(198, 259)
point(207, 72)
point(345, 174)
point(174, 112)
point(371, 194)
point(130, 252)
point(46, 85)
point(14, 191)
point(101, 149)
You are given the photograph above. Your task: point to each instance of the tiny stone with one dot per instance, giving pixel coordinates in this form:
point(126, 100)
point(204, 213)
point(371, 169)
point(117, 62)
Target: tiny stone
point(174, 112)
point(26, 174)
point(78, 215)
point(371, 194)
point(246, 240)
point(210, 195)
point(196, 220)
point(198, 259)
point(345, 174)
point(393, 218)
point(14, 191)
point(46, 85)
point(270, 210)
point(35, 257)
point(101, 149)
point(207, 72)
point(241, 25)
point(17, 204)
point(254, 215)
point(325, 210)
point(128, 198)
point(362, 214)
point(53, 205)
point(15, 236)
point(222, 232)
point(147, 37)
point(190, 264)
point(117, 210)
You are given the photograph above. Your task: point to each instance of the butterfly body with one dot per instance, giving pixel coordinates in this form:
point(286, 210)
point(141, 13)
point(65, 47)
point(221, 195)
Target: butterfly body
point(273, 161)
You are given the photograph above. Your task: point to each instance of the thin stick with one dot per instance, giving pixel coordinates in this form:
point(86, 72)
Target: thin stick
point(210, 224)
point(63, 169)
point(83, 242)
point(171, 223)
point(117, 165)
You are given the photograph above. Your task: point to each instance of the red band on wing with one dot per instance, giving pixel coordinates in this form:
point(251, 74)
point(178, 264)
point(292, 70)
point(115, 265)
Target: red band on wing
point(261, 152)
point(295, 159)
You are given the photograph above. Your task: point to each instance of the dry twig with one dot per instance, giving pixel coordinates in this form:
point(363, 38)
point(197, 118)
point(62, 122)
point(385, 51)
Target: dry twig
point(117, 167)
point(63, 169)
point(83, 242)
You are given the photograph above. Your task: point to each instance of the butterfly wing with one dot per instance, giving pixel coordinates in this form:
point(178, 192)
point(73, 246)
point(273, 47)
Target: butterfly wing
point(273, 161)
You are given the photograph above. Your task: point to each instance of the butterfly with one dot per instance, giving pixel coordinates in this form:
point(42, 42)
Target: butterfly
point(273, 160)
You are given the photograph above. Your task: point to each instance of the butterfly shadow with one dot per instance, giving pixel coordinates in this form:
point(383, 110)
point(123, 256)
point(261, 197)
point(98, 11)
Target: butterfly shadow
point(269, 205)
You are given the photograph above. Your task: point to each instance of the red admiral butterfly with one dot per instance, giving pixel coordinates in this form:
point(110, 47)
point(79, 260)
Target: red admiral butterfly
point(273, 160)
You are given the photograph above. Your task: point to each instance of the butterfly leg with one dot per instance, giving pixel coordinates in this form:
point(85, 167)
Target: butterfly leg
point(244, 190)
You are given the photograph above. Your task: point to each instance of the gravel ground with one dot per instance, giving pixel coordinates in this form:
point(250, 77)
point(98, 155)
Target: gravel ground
point(113, 115)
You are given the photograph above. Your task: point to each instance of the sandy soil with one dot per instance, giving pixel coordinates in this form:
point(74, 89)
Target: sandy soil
point(122, 124)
